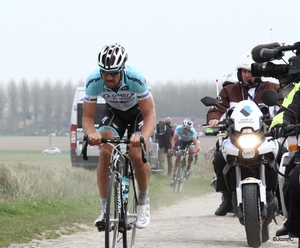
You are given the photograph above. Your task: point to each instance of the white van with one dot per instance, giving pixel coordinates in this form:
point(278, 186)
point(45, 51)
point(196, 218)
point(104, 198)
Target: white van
point(76, 131)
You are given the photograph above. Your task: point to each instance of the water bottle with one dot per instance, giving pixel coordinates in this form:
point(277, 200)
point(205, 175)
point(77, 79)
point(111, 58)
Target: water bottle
point(125, 188)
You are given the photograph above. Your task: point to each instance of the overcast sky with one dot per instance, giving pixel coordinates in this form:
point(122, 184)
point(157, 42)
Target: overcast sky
point(168, 40)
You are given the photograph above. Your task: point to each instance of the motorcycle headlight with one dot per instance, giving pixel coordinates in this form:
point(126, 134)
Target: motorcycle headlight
point(248, 139)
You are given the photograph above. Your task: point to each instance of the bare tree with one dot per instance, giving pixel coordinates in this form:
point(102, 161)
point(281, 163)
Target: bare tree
point(36, 103)
point(58, 103)
point(24, 97)
point(47, 105)
point(3, 99)
point(181, 98)
point(68, 92)
point(12, 104)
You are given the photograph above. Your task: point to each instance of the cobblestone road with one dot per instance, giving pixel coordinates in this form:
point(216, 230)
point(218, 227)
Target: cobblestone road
point(188, 224)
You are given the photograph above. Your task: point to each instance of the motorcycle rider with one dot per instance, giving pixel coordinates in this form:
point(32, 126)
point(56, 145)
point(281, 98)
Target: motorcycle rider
point(291, 187)
point(248, 88)
point(229, 78)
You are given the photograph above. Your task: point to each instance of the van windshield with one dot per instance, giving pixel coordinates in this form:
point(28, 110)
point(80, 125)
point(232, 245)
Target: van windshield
point(100, 108)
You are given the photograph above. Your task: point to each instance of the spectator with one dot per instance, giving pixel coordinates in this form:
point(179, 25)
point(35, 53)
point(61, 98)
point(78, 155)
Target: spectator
point(170, 154)
point(164, 143)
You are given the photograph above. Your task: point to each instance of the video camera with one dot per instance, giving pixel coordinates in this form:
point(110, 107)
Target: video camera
point(264, 54)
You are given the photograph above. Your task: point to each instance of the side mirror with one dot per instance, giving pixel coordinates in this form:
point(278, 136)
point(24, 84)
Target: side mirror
point(209, 101)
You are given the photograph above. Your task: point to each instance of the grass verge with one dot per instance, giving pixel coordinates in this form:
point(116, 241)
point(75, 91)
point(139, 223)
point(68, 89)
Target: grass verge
point(42, 202)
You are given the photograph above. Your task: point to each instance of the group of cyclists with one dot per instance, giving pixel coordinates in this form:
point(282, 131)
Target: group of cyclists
point(129, 102)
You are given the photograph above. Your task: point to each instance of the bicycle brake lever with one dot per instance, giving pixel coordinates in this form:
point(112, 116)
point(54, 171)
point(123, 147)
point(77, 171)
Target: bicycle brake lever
point(143, 146)
point(84, 147)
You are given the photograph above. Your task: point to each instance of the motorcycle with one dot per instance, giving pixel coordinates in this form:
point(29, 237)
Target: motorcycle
point(249, 173)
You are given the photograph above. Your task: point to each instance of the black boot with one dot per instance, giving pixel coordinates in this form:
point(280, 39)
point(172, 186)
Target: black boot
point(170, 169)
point(282, 231)
point(226, 205)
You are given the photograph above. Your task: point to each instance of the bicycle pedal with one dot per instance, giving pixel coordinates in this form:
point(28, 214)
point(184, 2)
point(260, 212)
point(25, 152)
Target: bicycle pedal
point(100, 227)
point(130, 226)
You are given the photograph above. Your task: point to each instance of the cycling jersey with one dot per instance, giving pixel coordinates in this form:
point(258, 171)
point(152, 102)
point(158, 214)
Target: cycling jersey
point(189, 136)
point(132, 89)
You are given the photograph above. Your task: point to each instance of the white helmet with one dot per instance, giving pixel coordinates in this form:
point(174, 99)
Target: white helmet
point(245, 62)
point(188, 124)
point(230, 78)
point(112, 57)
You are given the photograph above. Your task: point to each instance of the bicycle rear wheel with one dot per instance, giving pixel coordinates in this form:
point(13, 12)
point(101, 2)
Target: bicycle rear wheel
point(177, 178)
point(113, 213)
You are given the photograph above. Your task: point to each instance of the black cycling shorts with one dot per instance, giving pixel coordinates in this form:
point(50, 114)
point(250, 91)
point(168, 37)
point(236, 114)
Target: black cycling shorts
point(184, 144)
point(118, 120)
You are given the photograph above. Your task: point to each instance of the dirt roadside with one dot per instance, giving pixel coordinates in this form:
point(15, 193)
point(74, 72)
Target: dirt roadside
point(188, 224)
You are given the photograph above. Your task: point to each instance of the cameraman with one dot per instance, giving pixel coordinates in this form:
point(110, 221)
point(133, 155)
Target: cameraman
point(291, 187)
point(250, 88)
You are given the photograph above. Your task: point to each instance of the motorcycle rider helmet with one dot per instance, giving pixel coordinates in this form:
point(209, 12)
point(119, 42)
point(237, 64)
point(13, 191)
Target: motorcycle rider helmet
point(188, 124)
point(112, 57)
point(229, 78)
point(245, 63)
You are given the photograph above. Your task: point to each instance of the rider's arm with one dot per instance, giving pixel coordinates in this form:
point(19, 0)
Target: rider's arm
point(195, 140)
point(89, 112)
point(174, 140)
point(291, 101)
point(147, 110)
point(214, 114)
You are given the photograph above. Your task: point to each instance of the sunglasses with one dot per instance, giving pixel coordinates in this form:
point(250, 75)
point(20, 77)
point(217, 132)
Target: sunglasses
point(112, 73)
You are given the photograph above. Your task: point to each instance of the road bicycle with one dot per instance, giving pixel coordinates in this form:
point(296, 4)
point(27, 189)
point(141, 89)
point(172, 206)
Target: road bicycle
point(122, 198)
point(181, 171)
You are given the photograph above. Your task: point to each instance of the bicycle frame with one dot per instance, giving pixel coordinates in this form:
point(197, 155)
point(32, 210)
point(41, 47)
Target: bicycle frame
point(120, 215)
point(181, 170)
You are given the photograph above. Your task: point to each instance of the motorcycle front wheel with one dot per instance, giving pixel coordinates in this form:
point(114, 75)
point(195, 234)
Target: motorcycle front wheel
point(252, 219)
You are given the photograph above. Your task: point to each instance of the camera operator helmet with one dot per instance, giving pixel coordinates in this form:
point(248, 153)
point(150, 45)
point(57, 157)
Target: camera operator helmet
point(245, 63)
point(112, 58)
point(229, 78)
point(187, 124)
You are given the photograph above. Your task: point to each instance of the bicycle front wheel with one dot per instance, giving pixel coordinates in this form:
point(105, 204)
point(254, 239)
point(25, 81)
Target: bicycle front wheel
point(130, 216)
point(113, 212)
point(181, 179)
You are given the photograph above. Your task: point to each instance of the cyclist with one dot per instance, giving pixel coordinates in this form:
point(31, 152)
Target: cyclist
point(187, 137)
point(128, 101)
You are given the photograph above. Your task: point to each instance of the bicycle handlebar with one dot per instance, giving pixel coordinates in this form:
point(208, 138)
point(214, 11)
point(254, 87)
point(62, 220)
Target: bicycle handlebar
point(291, 130)
point(219, 125)
point(115, 140)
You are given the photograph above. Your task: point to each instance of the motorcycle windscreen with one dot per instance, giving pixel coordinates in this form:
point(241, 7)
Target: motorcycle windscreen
point(246, 114)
